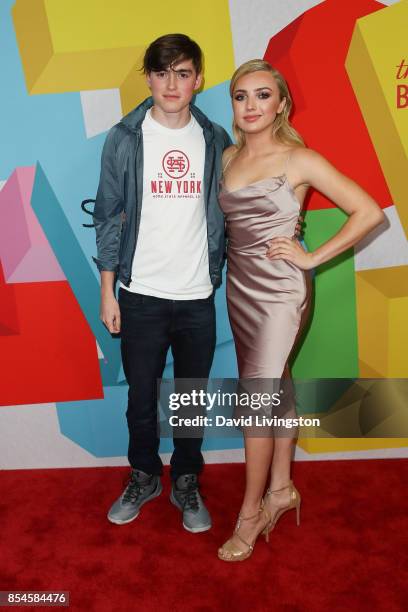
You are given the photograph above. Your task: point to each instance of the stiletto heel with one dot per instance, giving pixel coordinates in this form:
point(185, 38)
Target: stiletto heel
point(266, 534)
point(294, 502)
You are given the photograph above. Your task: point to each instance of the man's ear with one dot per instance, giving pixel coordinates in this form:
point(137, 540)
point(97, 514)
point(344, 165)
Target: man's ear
point(198, 81)
point(148, 80)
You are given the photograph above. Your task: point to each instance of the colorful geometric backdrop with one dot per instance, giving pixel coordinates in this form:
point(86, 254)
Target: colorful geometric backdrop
point(69, 72)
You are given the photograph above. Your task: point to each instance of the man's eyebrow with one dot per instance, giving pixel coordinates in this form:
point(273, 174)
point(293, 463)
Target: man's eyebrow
point(257, 89)
point(175, 70)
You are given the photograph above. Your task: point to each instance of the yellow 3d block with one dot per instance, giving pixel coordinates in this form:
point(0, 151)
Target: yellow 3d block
point(344, 445)
point(77, 45)
point(382, 317)
point(377, 64)
point(372, 411)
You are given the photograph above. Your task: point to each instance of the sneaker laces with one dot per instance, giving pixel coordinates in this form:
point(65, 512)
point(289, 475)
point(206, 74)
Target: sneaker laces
point(134, 490)
point(190, 498)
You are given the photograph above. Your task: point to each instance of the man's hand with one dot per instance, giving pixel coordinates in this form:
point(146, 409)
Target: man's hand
point(110, 312)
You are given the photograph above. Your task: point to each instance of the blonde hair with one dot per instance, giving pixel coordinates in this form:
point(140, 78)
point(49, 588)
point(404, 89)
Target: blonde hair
point(282, 129)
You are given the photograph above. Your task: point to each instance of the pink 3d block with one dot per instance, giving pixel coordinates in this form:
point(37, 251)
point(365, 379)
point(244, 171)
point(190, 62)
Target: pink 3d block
point(25, 253)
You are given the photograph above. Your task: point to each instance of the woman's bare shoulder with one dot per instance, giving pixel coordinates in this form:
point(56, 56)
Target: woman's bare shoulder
point(229, 151)
point(228, 154)
point(304, 154)
point(310, 167)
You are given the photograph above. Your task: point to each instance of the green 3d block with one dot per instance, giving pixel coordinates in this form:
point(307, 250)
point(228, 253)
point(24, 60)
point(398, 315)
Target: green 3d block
point(330, 347)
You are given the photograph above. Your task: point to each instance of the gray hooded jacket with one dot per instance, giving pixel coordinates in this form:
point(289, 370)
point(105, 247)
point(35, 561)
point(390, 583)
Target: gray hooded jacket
point(119, 199)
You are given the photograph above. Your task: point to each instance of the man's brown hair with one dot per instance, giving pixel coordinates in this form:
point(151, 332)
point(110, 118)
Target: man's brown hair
point(170, 49)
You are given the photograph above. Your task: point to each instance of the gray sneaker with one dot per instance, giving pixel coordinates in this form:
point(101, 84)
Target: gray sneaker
point(141, 488)
point(186, 497)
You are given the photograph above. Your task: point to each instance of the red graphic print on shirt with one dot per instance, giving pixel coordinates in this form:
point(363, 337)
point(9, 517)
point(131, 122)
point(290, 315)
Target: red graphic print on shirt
point(176, 165)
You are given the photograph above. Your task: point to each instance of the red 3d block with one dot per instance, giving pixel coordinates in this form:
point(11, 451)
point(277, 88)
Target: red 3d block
point(311, 54)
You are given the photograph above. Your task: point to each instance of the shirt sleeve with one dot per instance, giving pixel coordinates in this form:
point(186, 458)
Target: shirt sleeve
point(107, 215)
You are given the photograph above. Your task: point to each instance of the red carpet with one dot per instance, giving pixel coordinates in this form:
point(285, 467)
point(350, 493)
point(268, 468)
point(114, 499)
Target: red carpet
point(349, 553)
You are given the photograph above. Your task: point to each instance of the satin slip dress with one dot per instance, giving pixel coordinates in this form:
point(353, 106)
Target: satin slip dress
point(267, 300)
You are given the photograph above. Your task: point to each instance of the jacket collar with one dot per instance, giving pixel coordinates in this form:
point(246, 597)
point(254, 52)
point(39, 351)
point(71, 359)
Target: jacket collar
point(133, 120)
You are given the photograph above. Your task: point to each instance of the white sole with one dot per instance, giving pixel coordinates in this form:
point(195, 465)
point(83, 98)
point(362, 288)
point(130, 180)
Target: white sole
point(190, 529)
point(197, 529)
point(114, 522)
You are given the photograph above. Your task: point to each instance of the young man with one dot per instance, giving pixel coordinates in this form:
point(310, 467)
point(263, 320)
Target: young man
point(160, 230)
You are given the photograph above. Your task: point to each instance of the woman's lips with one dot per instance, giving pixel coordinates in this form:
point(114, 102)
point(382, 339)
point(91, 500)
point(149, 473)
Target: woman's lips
point(251, 118)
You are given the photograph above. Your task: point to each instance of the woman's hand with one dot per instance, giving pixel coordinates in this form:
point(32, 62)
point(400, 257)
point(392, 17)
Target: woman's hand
point(299, 228)
point(290, 250)
point(310, 168)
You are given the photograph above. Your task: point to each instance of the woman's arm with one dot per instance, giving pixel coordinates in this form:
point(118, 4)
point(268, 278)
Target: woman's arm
point(308, 167)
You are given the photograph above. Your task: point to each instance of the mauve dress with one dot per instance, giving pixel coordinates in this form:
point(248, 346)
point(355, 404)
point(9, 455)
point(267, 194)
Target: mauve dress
point(267, 300)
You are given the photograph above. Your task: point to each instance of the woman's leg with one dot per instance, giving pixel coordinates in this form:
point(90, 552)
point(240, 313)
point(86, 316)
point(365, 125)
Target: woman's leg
point(282, 459)
point(258, 456)
point(280, 475)
point(284, 447)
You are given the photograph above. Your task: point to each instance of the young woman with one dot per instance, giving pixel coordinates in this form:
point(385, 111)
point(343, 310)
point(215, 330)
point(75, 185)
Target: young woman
point(266, 177)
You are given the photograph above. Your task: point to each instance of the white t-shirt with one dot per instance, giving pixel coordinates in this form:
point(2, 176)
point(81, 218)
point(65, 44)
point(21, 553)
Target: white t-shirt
point(171, 257)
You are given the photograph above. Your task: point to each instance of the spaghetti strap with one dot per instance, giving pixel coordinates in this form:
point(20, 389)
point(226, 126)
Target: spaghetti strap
point(228, 162)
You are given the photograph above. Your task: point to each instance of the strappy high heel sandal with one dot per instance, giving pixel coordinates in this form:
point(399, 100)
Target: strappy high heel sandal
point(230, 552)
point(294, 502)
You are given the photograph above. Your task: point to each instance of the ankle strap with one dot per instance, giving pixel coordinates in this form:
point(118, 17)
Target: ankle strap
point(247, 518)
point(269, 491)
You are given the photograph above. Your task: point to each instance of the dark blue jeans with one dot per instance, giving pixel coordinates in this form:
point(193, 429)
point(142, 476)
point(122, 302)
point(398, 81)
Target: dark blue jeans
point(149, 326)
